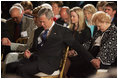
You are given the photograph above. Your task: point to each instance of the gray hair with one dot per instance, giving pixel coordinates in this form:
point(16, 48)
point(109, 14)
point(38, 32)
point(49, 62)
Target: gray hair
point(19, 5)
point(46, 5)
point(67, 9)
point(13, 7)
point(45, 11)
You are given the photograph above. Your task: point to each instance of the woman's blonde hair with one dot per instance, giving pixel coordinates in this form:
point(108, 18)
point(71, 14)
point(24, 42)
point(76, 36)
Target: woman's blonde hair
point(81, 22)
point(100, 17)
point(90, 8)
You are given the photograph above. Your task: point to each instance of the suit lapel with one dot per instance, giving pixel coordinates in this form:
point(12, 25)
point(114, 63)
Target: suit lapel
point(24, 23)
point(36, 35)
point(52, 32)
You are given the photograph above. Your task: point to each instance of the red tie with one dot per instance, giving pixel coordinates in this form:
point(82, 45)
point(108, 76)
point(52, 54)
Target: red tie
point(17, 32)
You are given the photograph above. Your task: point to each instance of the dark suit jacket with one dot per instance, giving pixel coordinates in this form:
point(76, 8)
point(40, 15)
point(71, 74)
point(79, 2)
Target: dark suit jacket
point(3, 29)
point(84, 36)
point(114, 21)
point(49, 56)
point(60, 21)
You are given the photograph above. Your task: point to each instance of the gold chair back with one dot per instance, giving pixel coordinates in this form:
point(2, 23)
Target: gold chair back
point(22, 40)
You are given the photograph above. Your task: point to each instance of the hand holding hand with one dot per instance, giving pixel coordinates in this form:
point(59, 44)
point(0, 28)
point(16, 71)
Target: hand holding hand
point(6, 42)
point(96, 63)
point(27, 54)
point(72, 53)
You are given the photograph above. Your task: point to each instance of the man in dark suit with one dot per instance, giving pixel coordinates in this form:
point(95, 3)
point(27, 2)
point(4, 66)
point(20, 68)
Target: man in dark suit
point(46, 54)
point(111, 9)
point(65, 15)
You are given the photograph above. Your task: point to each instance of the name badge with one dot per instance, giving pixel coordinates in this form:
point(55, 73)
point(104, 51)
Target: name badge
point(39, 40)
point(24, 34)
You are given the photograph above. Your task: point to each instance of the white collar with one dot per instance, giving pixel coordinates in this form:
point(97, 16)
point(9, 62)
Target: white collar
point(51, 26)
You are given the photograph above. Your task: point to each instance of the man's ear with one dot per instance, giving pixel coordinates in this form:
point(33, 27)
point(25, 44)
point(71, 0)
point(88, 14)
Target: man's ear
point(51, 19)
point(23, 12)
point(114, 12)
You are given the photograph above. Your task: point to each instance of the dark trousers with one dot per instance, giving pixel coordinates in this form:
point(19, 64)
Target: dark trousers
point(80, 68)
point(5, 50)
point(25, 68)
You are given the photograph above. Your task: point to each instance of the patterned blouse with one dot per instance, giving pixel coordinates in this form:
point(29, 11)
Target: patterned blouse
point(108, 47)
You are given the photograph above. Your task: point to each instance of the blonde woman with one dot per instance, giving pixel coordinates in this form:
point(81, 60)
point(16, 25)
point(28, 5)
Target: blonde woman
point(80, 31)
point(100, 5)
point(89, 10)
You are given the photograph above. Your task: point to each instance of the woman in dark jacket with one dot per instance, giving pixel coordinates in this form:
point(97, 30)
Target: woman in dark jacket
point(82, 33)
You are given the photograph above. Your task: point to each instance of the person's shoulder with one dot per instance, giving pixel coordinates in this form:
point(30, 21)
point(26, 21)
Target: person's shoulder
point(10, 20)
point(27, 18)
point(113, 27)
point(30, 16)
point(59, 26)
point(62, 29)
point(39, 29)
point(86, 29)
point(3, 20)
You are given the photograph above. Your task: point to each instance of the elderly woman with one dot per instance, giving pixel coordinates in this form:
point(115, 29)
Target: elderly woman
point(104, 44)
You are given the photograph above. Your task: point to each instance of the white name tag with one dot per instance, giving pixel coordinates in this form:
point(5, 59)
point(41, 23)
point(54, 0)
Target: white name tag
point(24, 34)
point(39, 40)
point(65, 25)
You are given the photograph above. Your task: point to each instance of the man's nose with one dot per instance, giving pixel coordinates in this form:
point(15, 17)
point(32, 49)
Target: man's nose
point(65, 21)
point(15, 20)
point(106, 11)
point(42, 23)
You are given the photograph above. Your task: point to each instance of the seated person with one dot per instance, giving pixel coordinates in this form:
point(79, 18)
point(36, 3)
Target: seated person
point(65, 15)
point(20, 26)
point(23, 47)
point(100, 5)
point(28, 7)
point(46, 55)
point(111, 9)
point(104, 44)
point(102, 47)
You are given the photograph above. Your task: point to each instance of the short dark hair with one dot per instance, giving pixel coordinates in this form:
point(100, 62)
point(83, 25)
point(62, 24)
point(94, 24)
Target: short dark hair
point(112, 5)
point(59, 3)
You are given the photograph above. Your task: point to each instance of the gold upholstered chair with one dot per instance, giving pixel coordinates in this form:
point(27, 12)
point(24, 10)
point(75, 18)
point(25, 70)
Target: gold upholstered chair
point(56, 74)
point(22, 40)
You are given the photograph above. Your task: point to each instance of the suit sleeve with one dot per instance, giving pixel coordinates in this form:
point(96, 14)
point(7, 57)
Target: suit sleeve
point(70, 41)
point(84, 36)
point(34, 41)
point(9, 30)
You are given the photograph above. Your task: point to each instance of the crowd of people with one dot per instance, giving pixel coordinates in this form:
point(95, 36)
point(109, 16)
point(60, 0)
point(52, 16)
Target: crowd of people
point(89, 31)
